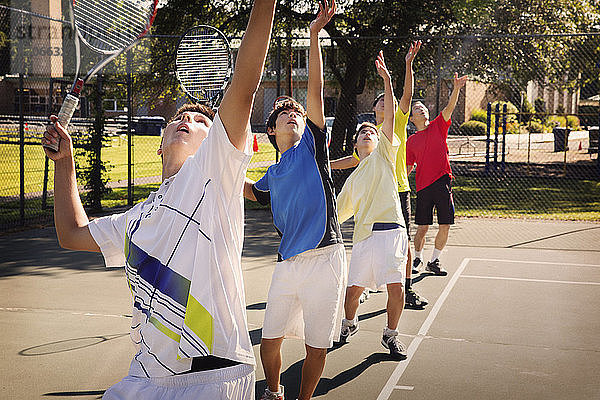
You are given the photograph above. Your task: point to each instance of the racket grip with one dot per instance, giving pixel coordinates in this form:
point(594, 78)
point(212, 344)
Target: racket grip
point(67, 109)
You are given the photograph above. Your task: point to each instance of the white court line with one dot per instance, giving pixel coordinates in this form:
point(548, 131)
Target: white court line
point(414, 345)
point(49, 311)
point(536, 262)
point(530, 280)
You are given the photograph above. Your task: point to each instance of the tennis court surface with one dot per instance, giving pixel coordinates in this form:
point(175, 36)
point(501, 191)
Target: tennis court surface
point(516, 318)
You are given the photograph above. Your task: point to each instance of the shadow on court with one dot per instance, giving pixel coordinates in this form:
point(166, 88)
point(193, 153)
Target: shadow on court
point(289, 377)
point(98, 393)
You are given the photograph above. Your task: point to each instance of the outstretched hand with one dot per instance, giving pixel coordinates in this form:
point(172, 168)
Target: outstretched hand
point(380, 65)
point(412, 51)
point(326, 12)
point(459, 82)
point(54, 133)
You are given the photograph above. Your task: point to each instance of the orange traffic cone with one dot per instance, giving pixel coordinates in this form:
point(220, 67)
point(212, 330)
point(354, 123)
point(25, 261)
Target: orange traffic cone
point(580, 145)
point(255, 144)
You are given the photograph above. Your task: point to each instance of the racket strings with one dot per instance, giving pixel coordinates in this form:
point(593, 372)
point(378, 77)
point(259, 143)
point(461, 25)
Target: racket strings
point(203, 63)
point(205, 68)
point(109, 26)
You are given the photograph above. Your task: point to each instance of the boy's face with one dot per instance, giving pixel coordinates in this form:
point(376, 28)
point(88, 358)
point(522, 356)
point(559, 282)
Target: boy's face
point(420, 113)
point(379, 105)
point(289, 122)
point(185, 133)
point(367, 140)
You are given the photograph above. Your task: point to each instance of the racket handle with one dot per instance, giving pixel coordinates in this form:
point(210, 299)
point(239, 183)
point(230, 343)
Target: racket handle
point(67, 109)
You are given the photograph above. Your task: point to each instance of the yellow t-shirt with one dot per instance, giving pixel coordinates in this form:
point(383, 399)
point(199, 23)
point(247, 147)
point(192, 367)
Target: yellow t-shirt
point(370, 193)
point(400, 123)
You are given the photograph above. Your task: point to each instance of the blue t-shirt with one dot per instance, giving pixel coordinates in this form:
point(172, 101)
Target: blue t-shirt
point(300, 190)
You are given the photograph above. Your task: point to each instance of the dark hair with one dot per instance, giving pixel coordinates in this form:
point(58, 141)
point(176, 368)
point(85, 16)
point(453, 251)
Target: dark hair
point(361, 127)
point(379, 96)
point(286, 104)
point(193, 107)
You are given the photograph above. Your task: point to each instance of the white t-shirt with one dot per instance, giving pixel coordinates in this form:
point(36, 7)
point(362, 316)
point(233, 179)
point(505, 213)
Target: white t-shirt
point(182, 250)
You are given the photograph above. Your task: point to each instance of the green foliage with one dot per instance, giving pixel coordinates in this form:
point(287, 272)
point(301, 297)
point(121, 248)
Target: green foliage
point(479, 115)
point(573, 122)
point(527, 111)
point(535, 126)
point(540, 109)
point(512, 128)
point(570, 121)
point(473, 128)
point(91, 172)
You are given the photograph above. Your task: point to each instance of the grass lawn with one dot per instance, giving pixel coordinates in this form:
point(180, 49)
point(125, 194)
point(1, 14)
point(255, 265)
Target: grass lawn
point(527, 197)
point(146, 163)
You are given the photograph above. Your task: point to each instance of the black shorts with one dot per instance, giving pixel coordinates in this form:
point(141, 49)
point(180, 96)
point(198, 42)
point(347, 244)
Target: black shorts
point(438, 195)
point(405, 205)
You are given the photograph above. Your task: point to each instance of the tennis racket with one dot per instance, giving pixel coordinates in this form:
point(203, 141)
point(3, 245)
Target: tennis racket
point(204, 64)
point(108, 27)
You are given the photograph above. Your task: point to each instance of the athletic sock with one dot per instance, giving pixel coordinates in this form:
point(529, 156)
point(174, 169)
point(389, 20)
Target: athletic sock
point(419, 254)
point(436, 254)
point(349, 322)
point(408, 282)
point(390, 332)
point(278, 393)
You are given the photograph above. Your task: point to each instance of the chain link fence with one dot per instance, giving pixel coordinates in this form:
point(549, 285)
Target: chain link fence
point(523, 140)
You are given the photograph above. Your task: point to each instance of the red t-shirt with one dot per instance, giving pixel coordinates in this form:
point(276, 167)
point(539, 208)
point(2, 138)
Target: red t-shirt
point(429, 150)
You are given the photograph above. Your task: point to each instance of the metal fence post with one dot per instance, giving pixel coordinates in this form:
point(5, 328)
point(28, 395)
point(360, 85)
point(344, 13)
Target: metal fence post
point(21, 150)
point(129, 133)
point(503, 165)
point(46, 161)
point(496, 129)
point(487, 140)
point(278, 66)
point(598, 146)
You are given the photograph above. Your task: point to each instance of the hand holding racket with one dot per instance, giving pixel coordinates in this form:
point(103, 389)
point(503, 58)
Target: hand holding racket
point(204, 64)
point(108, 27)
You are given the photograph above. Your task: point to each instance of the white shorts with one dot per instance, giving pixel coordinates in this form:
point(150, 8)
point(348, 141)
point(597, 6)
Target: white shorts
point(379, 259)
point(306, 297)
point(231, 383)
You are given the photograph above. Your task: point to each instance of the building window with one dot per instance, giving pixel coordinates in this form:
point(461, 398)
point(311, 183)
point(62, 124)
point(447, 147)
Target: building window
point(114, 105)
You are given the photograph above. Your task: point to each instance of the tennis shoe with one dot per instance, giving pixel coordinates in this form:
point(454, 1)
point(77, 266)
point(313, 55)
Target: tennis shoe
point(413, 301)
point(268, 395)
point(347, 331)
point(396, 347)
point(435, 268)
point(416, 263)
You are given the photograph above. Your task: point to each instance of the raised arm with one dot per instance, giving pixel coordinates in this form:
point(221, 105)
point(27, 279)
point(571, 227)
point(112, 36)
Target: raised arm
point(407, 92)
point(70, 219)
point(314, 97)
point(388, 113)
point(344, 162)
point(458, 84)
point(236, 106)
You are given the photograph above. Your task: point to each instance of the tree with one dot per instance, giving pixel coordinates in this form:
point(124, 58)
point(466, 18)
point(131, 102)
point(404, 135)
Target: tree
point(360, 27)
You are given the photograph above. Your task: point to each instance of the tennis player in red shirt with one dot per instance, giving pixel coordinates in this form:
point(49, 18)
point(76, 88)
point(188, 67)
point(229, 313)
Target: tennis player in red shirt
point(428, 149)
